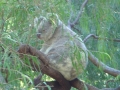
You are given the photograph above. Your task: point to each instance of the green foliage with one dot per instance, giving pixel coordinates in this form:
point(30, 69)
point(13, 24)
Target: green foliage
point(102, 18)
point(99, 17)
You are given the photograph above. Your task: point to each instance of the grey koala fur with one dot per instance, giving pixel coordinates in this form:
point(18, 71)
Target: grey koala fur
point(64, 48)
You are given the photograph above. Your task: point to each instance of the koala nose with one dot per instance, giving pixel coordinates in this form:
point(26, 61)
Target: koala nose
point(38, 35)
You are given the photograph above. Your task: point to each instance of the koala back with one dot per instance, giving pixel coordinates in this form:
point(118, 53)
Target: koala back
point(66, 57)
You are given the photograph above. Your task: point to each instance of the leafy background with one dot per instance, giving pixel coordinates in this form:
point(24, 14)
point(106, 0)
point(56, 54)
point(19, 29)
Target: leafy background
point(99, 17)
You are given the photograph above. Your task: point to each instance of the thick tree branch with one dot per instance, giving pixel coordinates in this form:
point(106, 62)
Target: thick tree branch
point(97, 37)
point(62, 83)
point(45, 68)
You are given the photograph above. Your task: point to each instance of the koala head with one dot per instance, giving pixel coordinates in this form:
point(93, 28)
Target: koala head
point(46, 26)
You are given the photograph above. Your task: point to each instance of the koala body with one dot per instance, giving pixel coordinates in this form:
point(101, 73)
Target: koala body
point(64, 48)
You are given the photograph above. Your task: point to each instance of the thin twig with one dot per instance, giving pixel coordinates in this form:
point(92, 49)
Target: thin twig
point(3, 21)
point(71, 14)
point(79, 31)
point(97, 37)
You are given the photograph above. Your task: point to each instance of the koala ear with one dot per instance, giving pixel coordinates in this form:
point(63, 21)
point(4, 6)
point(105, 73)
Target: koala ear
point(53, 18)
point(41, 18)
point(38, 20)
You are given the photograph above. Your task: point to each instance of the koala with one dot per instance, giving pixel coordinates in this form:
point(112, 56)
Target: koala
point(64, 48)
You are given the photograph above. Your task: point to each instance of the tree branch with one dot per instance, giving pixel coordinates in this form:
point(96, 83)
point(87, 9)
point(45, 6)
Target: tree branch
point(97, 37)
point(3, 21)
point(62, 83)
point(2, 80)
point(45, 68)
point(79, 15)
point(107, 69)
point(3, 83)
